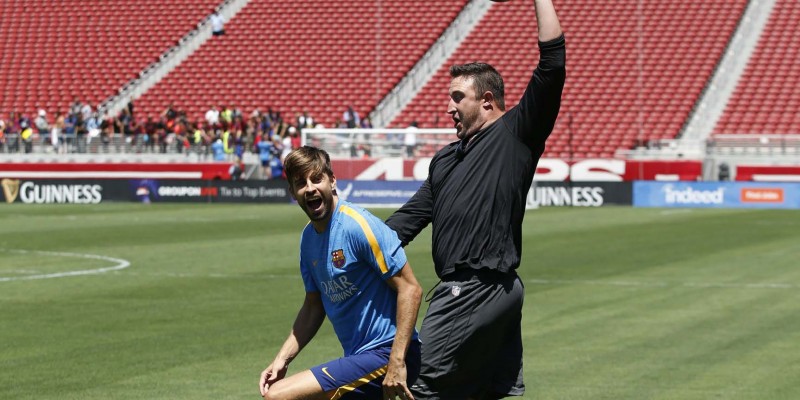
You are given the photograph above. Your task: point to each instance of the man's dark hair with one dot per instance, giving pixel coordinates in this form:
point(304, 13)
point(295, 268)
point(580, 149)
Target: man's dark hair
point(484, 79)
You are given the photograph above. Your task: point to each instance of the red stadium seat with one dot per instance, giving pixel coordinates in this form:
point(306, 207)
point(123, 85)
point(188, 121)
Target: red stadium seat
point(89, 51)
point(319, 65)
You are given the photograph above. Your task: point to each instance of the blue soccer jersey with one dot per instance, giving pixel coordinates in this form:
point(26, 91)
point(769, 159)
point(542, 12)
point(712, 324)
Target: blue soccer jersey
point(348, 264)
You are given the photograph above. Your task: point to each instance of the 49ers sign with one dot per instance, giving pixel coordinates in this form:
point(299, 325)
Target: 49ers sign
point(548, 170)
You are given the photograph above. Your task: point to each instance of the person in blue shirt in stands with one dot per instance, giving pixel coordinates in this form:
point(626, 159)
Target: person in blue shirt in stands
point(356, 273)
point(219, 150)
point(264, 147)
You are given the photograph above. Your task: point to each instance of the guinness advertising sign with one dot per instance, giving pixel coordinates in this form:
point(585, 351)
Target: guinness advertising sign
point(53, 191)
point(10, 189)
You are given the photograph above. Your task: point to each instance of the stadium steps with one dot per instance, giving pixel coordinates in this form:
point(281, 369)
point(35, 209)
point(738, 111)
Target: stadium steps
point(710, 107)
point(187, 45)
point(767, 99)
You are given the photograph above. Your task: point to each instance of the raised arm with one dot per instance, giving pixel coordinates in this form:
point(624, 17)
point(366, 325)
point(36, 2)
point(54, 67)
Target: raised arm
point(535, 115)
point(547, 20)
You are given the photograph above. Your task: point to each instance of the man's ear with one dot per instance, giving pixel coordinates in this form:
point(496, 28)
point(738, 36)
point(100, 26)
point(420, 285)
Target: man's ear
point(488, 100)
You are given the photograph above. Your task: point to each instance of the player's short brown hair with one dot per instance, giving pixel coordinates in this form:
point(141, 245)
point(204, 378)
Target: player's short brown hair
point(305, 161)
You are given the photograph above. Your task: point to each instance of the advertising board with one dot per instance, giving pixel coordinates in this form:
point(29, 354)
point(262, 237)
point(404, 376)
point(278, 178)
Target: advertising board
point(548, 170)
point(151, 190)
point(716, 194)
point(542, 194)
point(94, 191)
point(579, 194)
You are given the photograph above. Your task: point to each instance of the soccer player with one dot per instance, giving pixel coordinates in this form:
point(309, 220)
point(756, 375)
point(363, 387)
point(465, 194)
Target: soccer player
point(356, 273)
point(475, 197)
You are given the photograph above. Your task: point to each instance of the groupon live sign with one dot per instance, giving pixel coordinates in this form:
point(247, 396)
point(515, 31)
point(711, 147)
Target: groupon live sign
point(548, 170)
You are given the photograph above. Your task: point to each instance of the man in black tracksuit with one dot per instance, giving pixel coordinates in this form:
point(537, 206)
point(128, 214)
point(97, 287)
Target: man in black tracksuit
point(475, 197)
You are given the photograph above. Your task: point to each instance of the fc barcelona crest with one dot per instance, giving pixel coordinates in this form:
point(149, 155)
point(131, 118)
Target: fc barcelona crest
point(338, 258)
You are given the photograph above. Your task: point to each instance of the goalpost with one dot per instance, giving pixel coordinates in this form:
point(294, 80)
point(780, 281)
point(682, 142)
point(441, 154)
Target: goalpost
point(378, 142)
point(412, 143)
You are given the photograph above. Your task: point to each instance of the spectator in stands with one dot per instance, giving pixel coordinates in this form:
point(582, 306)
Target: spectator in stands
point(124, 125)
point(162, 132)
point(76, 106)
point(129, 106)
point(305, 120)
point(236, 113)
point(80, 133)
point(227, 139)
point(281, 127)
point(2, 134)
point(198, 138)
point(218, 149)
point(226, 115)
point(251, 127)
point(56, 132)
point(93, 128)
point(286, 141)
point(350, 118)
point(86, 112)
point(212, 116)
point(276, 162)
point(12, 132)
point(217, 24)
point(475, 199)
point(42, 126)
point(238, 143)
point(169, 113)
point(264, 147)
point(70, 124)
point(149, 137)
point(295, 139)
point(132, 132)
point(273, 115)
point(26, 134)
point(410, 139)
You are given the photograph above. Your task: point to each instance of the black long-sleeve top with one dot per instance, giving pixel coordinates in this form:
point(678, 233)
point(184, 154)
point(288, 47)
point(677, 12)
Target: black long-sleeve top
point(475, 198)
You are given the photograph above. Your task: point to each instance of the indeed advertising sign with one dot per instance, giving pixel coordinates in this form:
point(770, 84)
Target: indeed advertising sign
point(716, 194)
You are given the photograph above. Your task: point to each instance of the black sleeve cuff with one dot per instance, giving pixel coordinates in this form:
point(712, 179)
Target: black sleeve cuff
point(553, 43)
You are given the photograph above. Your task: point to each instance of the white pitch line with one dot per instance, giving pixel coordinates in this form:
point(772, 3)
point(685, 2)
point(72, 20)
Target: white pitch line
point(211, 275)
point(120, 264)
point(677, 211)
point(700, 285)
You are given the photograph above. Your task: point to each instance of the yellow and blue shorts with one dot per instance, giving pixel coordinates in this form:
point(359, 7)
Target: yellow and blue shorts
point(360, 376)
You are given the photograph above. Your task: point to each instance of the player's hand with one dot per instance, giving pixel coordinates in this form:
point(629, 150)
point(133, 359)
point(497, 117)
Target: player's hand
point(394, 383)
point(275, 372)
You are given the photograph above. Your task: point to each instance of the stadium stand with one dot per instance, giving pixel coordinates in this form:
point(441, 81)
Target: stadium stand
point(767, 99)
point(315, 56)
point(635, 69)
point(52, 51)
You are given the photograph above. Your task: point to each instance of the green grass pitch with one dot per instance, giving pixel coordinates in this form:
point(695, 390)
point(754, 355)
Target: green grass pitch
point(621, 303)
